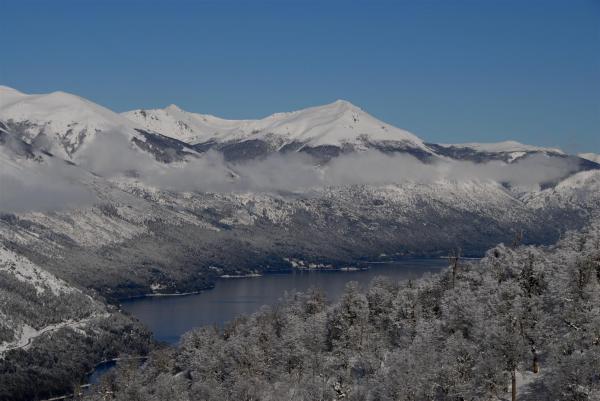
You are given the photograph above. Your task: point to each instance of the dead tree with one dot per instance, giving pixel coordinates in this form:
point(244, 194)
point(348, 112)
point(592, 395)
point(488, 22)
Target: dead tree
point(454, 261)
point(518, 239)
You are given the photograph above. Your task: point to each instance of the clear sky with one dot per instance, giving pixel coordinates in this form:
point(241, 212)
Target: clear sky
point(447, 70)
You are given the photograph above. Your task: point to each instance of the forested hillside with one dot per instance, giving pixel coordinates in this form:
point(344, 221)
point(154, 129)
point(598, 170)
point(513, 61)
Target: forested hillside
point(52, 333)
point(523, 319)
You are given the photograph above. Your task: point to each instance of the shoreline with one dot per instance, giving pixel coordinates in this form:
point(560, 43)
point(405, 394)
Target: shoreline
point(307, 271)
point(365, 266)
point(345, 269)
point(157, 295)
point(251, 275)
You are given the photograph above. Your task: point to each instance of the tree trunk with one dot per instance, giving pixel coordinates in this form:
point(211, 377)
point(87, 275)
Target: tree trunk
point(453, 274)
point(514, 384)
point(454, 257)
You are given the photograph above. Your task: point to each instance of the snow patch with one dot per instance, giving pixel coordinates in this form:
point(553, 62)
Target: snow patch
point(27, 272)
point(27, 333)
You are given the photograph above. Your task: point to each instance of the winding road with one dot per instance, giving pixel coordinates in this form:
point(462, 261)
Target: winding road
point(29, 334)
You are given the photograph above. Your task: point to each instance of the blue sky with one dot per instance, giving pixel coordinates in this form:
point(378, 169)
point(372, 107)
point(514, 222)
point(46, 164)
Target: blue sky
point(449, 71)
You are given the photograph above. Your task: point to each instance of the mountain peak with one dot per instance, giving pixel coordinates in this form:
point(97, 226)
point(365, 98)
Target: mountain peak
point(173, 107)
point(68, 120)
point(343, 102)
point(8, 90)
point(343, 105)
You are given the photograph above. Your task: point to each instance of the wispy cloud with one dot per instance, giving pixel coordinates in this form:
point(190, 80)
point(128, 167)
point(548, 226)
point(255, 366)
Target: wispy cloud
point(55, 185)
point(111, 156)
point(41, 187)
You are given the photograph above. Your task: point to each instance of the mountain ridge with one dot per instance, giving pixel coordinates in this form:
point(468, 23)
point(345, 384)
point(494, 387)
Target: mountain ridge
point(339, 123)
point(593, 157)
point(69, 123)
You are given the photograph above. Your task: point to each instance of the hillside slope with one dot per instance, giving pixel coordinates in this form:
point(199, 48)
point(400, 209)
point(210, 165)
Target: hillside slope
point(526, 313)
point(52, 333)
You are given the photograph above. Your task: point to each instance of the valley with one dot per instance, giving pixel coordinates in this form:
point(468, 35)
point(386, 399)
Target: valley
point(97, 206)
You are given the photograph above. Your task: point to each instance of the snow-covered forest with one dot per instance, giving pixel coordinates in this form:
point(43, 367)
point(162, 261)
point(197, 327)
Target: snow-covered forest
point(522, 323)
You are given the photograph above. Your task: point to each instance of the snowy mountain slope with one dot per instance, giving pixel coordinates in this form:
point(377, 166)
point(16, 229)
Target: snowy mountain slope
point(338, 124)
point(580, 191)
point(67, 121)
point(64, 125)
point(141, 235)
point(508, 151)
point(503, 147)
point(511, 152)
point(594, 157)
point(27, 272)
point(24, 283)
point(52, 332)
point(188, 127)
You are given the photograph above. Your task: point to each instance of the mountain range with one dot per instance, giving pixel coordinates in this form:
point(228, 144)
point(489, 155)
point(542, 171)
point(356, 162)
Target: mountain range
point(70, 122)
point(165, 200)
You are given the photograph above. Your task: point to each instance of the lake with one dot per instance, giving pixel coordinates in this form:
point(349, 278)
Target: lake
point(170, 316)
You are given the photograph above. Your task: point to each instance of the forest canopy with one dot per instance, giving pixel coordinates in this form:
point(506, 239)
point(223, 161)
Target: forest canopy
point(523, 319)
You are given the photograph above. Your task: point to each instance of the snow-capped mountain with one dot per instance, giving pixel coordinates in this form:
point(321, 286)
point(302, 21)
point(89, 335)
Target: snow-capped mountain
point(64, 125)
point(339, 124)
point(324, 132)
point(58, 120)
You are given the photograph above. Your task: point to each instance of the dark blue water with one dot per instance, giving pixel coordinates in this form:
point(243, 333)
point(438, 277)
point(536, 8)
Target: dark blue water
point(100, 370)
point(170, 317)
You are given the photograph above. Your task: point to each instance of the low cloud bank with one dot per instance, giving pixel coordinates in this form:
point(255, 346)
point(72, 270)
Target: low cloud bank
point(377, 168)
point(113, 155)
point(54, 185)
